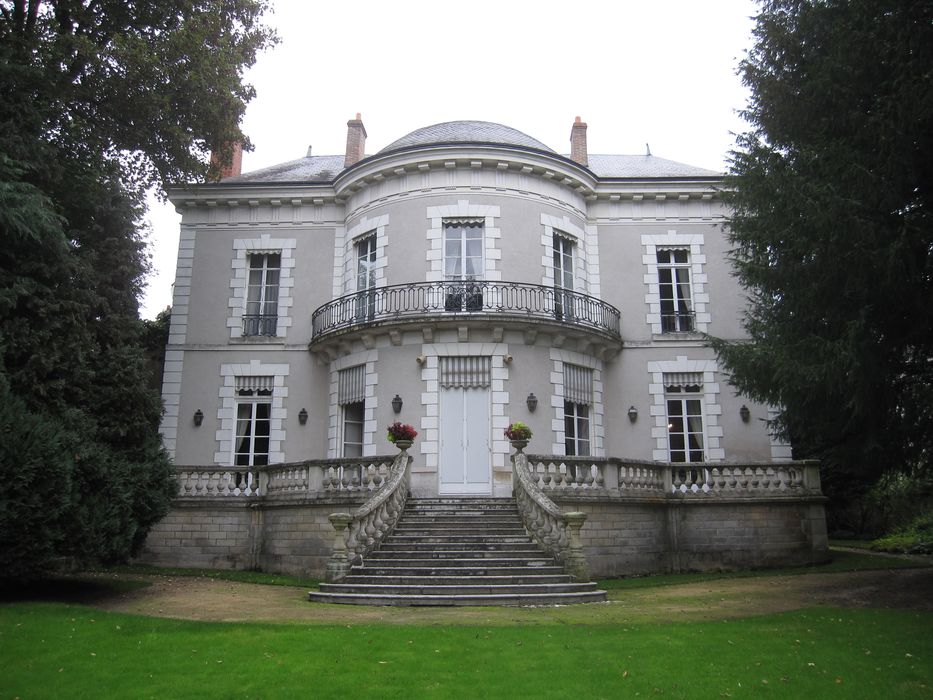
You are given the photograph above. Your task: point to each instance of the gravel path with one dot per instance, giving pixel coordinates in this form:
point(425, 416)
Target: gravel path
point(194, 598)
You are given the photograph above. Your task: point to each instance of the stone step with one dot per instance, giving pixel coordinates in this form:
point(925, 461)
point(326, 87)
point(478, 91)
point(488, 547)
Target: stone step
point(513, 548)
point(396, 538)
point(429, 588)
point(387, 554)
point(430, 569)
point(460, 501)
point(443, 531)
point(460, 519)
point(458, 551)
point(417, 558)
point(477, 579)
point(457, 600)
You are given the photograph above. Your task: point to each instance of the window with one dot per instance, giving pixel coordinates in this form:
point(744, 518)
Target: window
point(463, 264)
point(677, 314)
point(576, 429)
point(366, 278)
point(351, 396)
point(684, 420)
point(563, 276)
point(253, 418)
point(262, 294)
point(353, 414)
point(578, 397)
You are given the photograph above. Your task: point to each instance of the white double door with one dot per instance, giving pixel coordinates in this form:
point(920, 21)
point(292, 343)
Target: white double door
point(465, 457)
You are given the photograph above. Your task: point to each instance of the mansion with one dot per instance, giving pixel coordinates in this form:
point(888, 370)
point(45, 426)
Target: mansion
point(464, 277)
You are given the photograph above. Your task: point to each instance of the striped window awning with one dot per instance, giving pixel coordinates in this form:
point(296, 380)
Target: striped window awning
point(255, 383)
point(465, 221)
point(467, 372)
point(683, 379)
point(578, 384)
point(351, 385)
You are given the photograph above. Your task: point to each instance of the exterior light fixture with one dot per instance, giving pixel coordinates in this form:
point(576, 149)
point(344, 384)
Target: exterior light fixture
point(303, 416)
point(198, 418)
point(632, 413)
point(397, 404)
point(532, 402)
point(745, 413)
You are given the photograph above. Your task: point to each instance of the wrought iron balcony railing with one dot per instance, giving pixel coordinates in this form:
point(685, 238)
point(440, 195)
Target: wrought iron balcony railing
point(678, 322)
point(260, 324)
point(438, 300)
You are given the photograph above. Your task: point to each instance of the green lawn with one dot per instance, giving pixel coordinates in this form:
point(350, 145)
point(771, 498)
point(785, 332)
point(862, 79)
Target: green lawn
point(58, 650)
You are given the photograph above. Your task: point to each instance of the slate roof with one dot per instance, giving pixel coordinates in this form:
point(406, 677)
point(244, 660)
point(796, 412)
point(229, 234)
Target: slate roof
point(325, 169)
point(643, 166)
point(466, 132)
point(310, 169)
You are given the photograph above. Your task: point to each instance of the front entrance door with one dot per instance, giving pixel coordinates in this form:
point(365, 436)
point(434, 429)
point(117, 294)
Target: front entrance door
point(465, 447)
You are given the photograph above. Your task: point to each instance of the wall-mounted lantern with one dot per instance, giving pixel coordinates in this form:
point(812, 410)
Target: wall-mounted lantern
point(531, 402)
point(198, 418)
point(632, 413)
point(744, 413)
point(397, 404)
point(303, 416)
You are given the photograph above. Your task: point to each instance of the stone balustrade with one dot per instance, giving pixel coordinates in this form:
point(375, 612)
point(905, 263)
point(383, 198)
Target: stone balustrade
point(556, 531)
point(359, 475)
point(608, 476)
point(359, 533)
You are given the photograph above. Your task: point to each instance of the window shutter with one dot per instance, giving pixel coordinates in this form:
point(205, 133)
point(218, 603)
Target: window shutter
point(351, 385)
point(255, 383)
point(468, 372)
point(683, 379)
point(578, 384)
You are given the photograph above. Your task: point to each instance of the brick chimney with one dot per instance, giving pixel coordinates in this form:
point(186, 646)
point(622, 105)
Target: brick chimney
point(228, 161)
point(578, 141)
point(356, 141)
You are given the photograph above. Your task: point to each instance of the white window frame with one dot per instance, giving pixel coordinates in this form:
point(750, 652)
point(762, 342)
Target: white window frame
point(681, 317)
point(254, 399)
point(258, 294)
point(366, 258)
point(693, 243)
point(577, 415)
point(689, 399)
point(243, 248)
point(564, 254)
point(347, 419)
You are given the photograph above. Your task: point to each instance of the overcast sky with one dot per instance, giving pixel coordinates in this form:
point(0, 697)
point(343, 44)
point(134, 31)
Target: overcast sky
point(661, 72)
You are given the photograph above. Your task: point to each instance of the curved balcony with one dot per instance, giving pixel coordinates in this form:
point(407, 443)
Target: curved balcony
point(457, 301)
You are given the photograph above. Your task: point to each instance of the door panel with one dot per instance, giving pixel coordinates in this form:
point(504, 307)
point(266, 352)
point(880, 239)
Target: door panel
point(465, 449)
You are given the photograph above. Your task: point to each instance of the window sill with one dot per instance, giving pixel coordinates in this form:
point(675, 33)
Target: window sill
point(258, 340)
point(677, 337)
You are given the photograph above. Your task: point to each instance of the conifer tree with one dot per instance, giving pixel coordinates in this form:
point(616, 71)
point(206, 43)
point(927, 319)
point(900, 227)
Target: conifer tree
point(99, 101)
point(833, 239)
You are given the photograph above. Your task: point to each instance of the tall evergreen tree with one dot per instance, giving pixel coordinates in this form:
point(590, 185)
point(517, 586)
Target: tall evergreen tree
point(98, 102)
point(832, 232)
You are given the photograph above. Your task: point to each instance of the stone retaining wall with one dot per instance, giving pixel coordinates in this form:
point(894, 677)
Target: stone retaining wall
point(621, 536)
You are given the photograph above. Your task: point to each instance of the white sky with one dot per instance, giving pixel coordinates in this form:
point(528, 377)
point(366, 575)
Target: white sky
point(661, 72)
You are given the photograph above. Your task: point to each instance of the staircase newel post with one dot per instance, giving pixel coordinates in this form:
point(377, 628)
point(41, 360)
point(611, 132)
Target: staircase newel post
point(339, 564)
point(575, 561)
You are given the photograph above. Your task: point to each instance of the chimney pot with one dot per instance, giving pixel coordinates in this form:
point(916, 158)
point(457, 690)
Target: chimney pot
point(356, 141)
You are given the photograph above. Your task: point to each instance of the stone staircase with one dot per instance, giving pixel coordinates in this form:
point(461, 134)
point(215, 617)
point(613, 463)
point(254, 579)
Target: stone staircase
point(458, 551)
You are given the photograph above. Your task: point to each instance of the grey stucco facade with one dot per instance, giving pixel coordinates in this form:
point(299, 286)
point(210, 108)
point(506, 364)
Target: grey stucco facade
point(463, 269)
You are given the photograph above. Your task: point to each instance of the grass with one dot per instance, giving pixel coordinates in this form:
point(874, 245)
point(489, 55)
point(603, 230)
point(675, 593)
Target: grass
point(217, 574)
point(841, 561)
point(55, 649)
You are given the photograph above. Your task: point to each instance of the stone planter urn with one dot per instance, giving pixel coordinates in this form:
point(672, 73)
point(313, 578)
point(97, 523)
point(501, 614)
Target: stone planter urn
point(404, 444)
point(519, 445)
